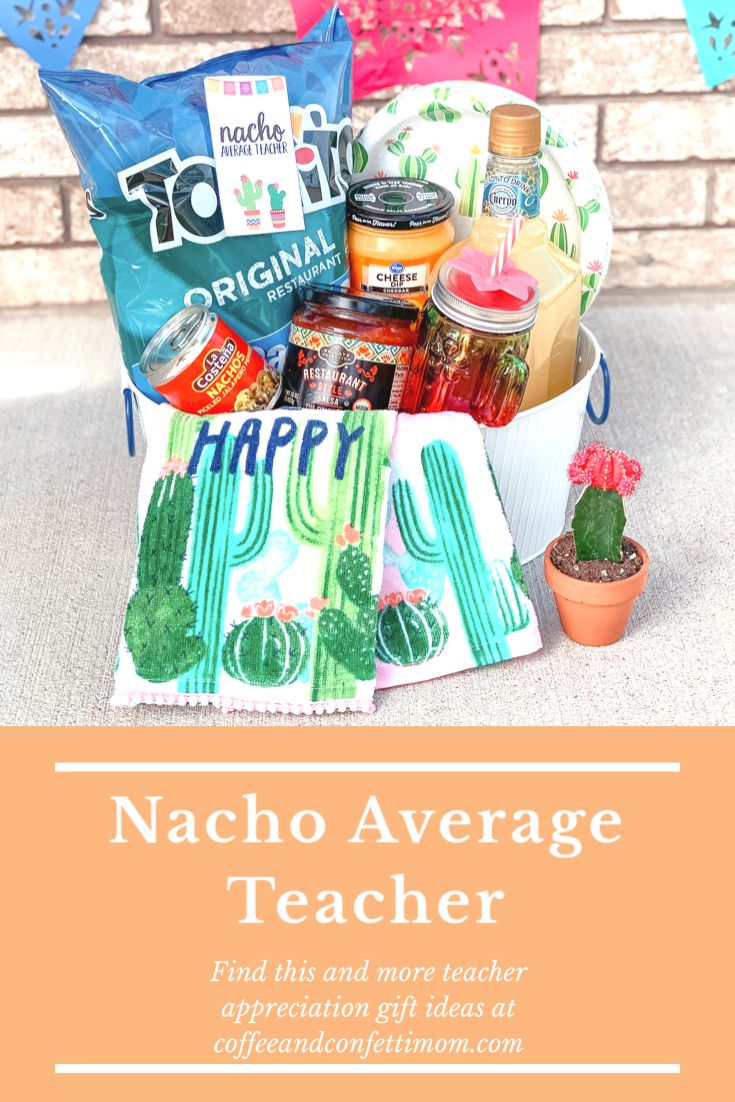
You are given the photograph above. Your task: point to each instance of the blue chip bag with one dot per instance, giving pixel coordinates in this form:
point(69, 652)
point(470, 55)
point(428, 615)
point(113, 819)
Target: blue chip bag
point(145, 159)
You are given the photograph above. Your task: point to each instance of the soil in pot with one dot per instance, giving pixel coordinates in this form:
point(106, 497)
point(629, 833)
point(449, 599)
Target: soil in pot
point(563, 556)
point(591, 611)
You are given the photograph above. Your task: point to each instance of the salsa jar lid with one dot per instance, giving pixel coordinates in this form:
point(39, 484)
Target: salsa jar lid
point(396, 203)
point(384, 306)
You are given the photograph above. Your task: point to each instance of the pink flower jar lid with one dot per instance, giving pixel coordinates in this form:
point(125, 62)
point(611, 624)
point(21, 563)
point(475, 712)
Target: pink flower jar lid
point(468, 292)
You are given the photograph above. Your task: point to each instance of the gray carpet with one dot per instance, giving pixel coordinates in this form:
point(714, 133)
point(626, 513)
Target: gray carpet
point(67, 497)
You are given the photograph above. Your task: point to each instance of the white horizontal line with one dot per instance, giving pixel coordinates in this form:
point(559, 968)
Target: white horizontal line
point(367, 1069)
point(367, 767)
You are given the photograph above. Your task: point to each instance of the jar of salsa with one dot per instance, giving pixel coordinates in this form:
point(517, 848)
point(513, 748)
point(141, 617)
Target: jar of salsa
point(396, 231)
point(470, 357)
point(348, 350)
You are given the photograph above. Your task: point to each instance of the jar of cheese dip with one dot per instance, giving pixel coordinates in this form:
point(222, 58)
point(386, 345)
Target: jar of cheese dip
point(396, 231)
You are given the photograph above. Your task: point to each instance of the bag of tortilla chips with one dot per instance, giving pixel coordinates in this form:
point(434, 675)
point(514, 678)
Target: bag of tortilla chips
point(146, 162)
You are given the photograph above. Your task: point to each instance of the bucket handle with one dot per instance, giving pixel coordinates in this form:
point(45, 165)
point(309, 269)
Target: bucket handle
point(601, 417)
point(129, 421)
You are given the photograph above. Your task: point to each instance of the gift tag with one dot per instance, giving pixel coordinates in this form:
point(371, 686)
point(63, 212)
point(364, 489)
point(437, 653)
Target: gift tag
point(254, 155)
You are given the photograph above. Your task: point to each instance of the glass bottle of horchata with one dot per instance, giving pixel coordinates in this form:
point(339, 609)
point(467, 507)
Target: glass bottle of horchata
point(512, 186)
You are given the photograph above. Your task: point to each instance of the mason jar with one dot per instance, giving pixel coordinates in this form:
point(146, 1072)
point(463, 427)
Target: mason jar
point(470, 358)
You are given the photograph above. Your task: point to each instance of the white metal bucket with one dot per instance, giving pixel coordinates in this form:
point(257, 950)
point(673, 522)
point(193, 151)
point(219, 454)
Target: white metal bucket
point(530, 456)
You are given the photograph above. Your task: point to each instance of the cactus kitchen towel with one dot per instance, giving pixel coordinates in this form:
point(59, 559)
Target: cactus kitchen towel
point(259, 561)
point(453, 594)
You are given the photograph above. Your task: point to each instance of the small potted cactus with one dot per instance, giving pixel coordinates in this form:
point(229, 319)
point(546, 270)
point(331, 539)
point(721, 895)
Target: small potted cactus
point(278, 214)
point(594, 571)
point(247, 196)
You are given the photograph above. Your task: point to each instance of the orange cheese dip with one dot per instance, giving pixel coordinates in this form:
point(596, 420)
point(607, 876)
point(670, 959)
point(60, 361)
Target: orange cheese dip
point(396, 231)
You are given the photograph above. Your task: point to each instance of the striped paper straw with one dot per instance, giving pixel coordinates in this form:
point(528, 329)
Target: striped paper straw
point(511, 236)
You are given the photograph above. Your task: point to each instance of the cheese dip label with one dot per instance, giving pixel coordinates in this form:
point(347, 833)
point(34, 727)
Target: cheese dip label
point(396, 278)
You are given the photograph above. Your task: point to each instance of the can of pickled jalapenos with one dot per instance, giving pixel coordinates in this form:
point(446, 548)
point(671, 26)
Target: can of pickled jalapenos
point(202, 366)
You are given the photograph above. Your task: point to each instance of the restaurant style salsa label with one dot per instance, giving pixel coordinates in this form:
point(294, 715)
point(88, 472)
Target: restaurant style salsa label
point(326, 371)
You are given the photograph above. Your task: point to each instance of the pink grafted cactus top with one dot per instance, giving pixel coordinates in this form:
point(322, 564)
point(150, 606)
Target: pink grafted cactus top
point(605, 469)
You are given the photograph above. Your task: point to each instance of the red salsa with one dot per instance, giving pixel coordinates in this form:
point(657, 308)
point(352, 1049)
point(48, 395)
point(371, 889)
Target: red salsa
point(348, 350)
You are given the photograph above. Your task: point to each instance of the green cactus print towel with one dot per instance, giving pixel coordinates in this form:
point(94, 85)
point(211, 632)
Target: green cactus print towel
point(259, 561)
point(453, 594)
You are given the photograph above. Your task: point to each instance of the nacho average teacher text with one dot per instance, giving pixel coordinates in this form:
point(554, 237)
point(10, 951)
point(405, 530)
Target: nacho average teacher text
point(563, 833)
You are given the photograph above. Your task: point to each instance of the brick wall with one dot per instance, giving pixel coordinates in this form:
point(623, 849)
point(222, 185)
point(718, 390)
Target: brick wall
point(621, 73)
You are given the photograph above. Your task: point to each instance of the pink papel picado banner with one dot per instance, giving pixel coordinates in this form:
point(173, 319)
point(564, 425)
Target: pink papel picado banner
point(421, 41)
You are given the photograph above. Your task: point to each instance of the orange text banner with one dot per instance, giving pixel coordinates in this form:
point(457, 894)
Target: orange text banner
point(511, 914)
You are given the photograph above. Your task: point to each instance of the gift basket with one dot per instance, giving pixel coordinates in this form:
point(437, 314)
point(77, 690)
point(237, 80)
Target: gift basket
point(326, 340)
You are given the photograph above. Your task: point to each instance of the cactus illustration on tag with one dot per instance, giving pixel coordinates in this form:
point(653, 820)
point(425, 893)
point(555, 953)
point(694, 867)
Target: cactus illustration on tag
point(439, 110)
point(480, 595)
point(269, 648)
point(344, 529)
point(411, 629)
point(470, 180)
point(219, 547)
point(247, 196)
point(278, 214)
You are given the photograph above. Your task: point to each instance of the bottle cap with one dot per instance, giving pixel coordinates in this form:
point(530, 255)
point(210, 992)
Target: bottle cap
point(515, 130)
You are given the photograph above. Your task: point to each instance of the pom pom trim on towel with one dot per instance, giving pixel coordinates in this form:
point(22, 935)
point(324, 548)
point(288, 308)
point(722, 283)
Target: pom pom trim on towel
point(233, 704)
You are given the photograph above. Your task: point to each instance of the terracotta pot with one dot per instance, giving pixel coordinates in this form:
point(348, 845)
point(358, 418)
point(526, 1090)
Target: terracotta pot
point(594, 613)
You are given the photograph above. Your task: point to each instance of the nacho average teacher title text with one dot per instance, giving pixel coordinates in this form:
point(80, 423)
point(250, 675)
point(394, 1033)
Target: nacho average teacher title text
point(258, 899)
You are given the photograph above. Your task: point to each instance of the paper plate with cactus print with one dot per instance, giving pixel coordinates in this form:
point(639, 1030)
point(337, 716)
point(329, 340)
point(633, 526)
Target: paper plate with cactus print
point(439, 133)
